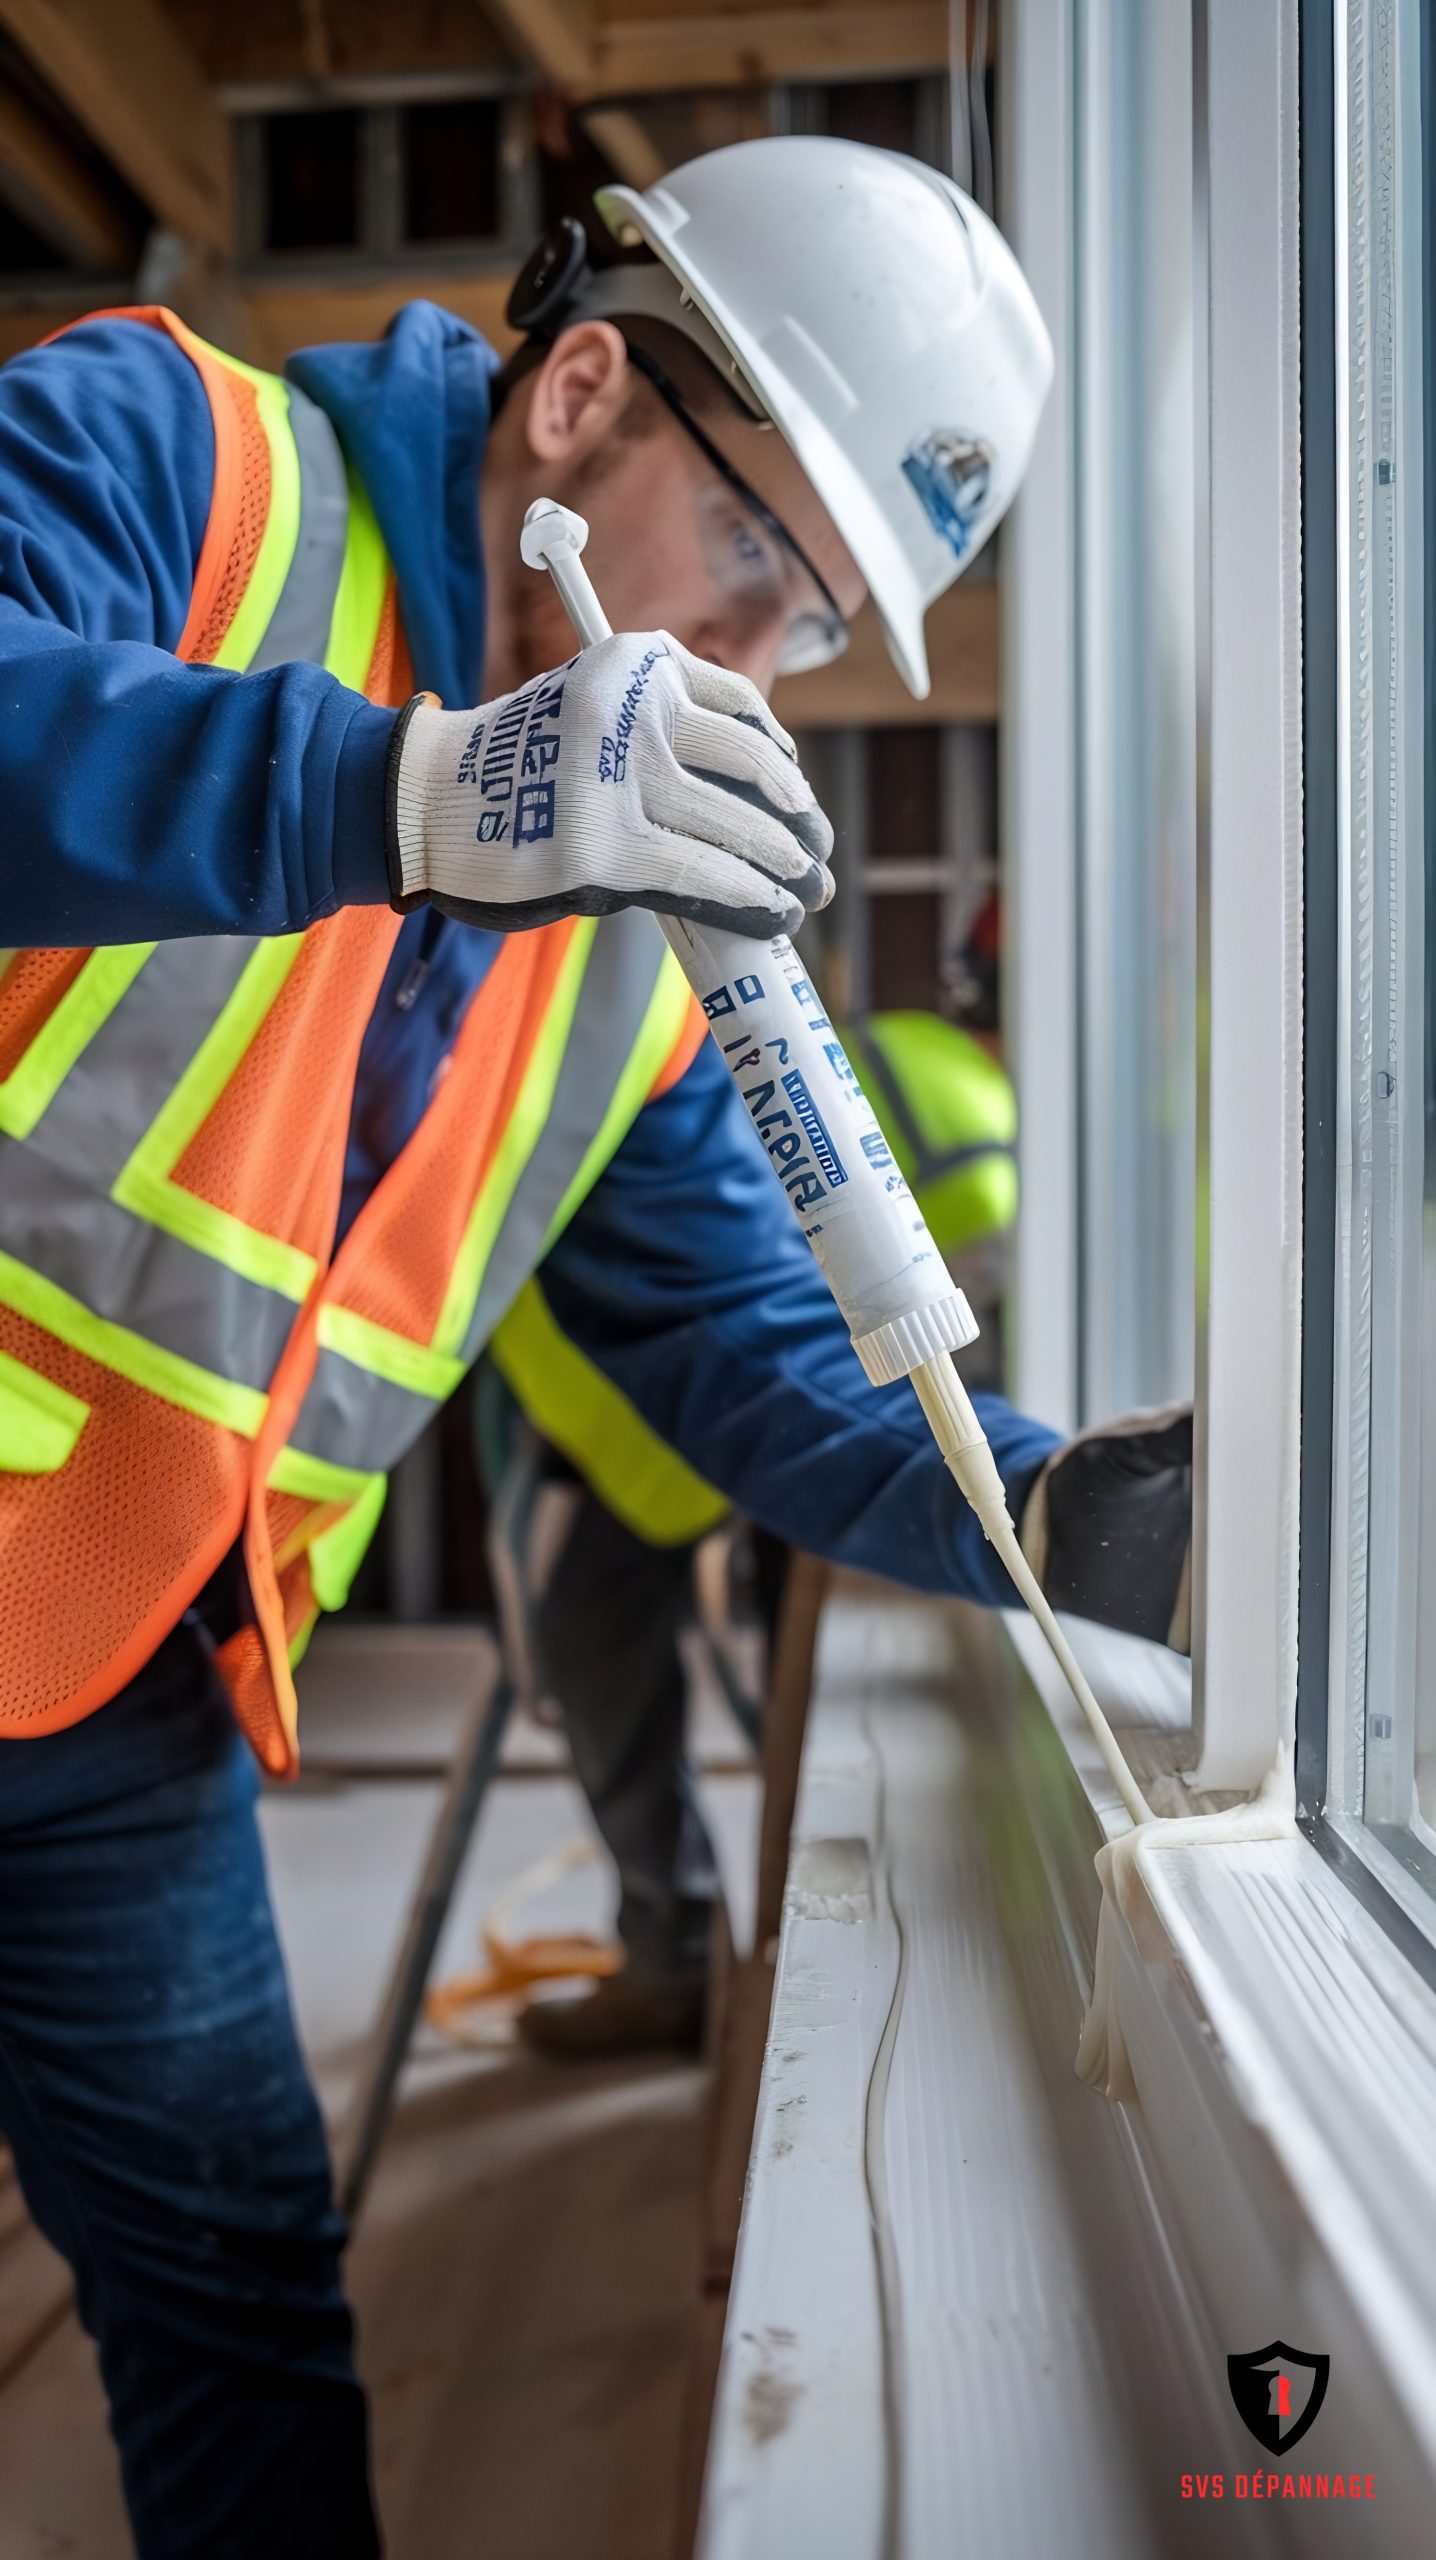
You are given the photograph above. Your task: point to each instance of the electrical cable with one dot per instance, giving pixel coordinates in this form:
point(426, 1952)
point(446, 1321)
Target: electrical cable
point(516, 1964)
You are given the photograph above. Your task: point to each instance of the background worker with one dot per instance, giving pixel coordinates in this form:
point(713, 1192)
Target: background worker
point(598, 1594)
point(275, 1164)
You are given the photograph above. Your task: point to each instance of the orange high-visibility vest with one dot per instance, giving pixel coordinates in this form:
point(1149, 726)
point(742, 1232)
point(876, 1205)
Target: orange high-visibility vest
point(184, 1358)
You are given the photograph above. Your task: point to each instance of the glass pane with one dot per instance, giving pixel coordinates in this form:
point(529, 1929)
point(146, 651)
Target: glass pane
point(1137, 701)
point(1425, 851)
point(1383, 1627)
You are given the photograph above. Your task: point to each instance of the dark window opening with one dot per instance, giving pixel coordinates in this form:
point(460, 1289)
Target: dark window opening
point(570, 168)
point(23, 252)
point(906, 943)
point(312, 181)
point(451, 170)
point(904, 794)
point(882, 112)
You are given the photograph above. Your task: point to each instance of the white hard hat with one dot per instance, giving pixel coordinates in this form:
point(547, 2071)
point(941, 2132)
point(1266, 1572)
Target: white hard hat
point(881, 321)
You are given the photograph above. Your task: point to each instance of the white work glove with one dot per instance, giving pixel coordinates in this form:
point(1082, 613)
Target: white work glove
point(637, 775)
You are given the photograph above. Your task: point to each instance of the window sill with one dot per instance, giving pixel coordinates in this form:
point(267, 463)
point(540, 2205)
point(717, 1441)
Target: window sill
point(976, 2307)
point(1284, 2049)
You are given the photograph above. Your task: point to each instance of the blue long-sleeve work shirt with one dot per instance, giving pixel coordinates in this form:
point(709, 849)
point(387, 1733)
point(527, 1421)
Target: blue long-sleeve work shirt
point(144, 799)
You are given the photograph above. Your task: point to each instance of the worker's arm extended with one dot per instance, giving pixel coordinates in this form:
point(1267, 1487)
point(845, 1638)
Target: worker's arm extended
point(144, 798)
point(684, 1279)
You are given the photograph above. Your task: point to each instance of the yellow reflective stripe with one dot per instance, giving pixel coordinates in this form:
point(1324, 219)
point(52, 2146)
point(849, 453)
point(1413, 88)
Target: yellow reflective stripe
point(37, 1076)
point(165, 1373)
point(643, 1482)
point(317, 1479)
point(275, 556)
point(532, 1105)
point(337, 1553)
point(39, 1422)
point(144, 1184)
point(371, 1346)
point(299, 1641)
point(661, 1024)
point(354, 623)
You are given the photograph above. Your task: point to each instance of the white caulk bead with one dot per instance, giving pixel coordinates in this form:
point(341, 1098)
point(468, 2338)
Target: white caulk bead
point(893, 1350)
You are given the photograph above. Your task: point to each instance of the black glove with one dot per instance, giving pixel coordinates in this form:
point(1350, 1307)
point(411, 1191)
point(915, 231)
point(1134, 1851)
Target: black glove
point(1107, 1527)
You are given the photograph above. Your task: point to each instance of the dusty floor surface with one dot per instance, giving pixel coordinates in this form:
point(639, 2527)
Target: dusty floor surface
point(525, 2273)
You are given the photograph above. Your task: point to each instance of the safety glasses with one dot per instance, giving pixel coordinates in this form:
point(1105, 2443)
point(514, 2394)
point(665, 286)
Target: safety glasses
point(817, 630)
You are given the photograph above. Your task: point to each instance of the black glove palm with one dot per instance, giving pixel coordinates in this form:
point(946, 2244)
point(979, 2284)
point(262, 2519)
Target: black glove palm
point(1107, 1528)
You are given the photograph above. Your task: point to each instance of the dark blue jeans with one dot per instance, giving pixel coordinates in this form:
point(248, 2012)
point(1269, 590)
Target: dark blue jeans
point(166, 2136)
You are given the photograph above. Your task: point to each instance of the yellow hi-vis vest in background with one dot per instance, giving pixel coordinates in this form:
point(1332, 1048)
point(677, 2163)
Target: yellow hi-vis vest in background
point(184, 1359)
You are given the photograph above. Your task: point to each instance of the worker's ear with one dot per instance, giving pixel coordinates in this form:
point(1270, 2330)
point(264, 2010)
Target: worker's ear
point(580, 392)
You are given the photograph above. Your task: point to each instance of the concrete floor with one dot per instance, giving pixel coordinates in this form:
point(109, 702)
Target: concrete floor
point(525, 2273)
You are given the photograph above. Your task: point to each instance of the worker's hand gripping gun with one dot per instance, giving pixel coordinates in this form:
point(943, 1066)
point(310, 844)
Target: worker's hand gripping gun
point(900, 1303)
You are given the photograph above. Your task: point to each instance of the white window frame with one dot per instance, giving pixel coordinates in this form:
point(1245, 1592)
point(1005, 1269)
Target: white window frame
point(1250, 902)
point(1280, 2027)
point(1249, 828)
point(1376, 1425)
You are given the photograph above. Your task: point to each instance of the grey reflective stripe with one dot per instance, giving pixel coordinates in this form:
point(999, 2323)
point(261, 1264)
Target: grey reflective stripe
point(96, 1119)
point(299, 624)
point(56, 1213)
point(931, 1166)
point(896, 1108)
point(356, 1419)
point(122, 1268)
point(628, 953)
point(929, 1163)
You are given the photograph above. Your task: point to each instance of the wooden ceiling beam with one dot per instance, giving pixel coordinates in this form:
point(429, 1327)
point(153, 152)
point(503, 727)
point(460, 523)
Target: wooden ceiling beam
point(53, 189)
point(592, 50)
point(555, 38)
point(128, 80)
point(626, 143)
point(634, 55)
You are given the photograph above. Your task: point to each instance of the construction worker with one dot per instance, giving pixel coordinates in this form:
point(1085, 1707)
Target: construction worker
point(596, 1596)
point(949, 1114)
point(283, 1145)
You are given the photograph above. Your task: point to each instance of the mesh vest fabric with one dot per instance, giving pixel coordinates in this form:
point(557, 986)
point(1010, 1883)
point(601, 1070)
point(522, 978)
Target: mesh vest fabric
point(181, 1361)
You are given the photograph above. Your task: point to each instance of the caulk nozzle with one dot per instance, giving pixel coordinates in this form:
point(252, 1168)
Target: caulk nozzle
point(550, 528)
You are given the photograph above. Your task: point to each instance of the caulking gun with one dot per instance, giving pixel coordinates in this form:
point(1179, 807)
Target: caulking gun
point(904, 1311)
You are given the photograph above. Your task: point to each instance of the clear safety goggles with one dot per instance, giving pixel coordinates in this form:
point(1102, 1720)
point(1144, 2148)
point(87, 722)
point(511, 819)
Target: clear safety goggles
point(761, 573)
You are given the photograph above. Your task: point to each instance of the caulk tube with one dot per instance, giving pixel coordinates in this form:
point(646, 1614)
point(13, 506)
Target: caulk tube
point(897, 1297)
point(901, 1307)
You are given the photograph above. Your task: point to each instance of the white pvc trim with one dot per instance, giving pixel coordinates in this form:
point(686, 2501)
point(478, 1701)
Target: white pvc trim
point(1284, 2055)
point(1376, 1487)
point(1250, 851)
point(1038, 738)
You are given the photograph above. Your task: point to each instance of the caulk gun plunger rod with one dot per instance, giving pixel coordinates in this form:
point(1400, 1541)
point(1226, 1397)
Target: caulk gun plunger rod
point(905, 1315)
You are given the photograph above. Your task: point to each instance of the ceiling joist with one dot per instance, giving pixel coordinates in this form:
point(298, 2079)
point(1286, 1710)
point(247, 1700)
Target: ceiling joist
point(49, 185)
point(598, 49)
point(131, 84)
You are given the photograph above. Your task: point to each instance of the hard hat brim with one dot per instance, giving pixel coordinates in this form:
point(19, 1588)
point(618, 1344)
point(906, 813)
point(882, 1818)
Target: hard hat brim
point(632, 217)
